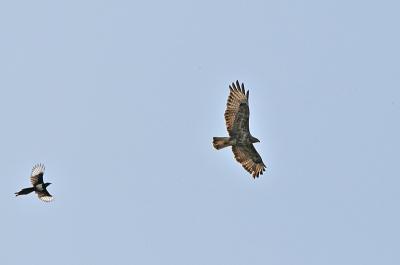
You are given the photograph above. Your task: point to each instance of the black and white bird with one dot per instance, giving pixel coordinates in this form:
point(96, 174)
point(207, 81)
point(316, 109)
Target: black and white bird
point(38, 186)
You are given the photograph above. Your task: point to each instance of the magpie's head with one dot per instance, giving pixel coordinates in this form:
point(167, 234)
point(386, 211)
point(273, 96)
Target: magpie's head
point(47, 184)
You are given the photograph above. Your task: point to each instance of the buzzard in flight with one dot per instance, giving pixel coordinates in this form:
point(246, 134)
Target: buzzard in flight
point(38, 186)
point(237, 115)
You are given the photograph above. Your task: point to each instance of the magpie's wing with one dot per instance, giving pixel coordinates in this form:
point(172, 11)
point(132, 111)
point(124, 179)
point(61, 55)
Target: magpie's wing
point(44, 195)
point(37, 174)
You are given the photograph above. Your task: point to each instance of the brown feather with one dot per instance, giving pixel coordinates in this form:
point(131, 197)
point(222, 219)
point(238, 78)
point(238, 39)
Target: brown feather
point(237, 116)
point(234, 113)
point(249, 158)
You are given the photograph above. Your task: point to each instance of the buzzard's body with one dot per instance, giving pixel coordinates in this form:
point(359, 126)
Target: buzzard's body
point(237, 116)
point(39, 187)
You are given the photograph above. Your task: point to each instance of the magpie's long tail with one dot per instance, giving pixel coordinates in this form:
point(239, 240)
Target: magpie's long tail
point(25, 191)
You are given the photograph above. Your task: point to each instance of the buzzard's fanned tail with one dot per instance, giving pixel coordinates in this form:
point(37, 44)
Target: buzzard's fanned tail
point(221, 142)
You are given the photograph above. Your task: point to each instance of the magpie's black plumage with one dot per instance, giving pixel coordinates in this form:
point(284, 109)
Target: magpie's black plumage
point(38, 186)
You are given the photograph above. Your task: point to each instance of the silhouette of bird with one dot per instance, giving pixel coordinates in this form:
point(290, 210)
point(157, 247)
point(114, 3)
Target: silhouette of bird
point(38, 186)
point(237, 116)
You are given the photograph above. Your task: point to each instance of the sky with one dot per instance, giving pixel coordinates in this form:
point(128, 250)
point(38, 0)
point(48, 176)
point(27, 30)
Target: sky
point(120, 101)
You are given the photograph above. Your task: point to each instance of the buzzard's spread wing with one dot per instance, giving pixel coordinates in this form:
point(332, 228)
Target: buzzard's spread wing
point(248, 156)
point(44, 195)
point(237, 111)
point(37, 174)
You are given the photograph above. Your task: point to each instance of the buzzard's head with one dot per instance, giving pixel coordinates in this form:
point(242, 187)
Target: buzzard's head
point(254, 139)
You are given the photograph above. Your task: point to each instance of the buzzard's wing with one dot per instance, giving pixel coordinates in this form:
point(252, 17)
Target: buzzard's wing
point(44, 195)
point(37, 174)
point(237, 111)
point(249, 158)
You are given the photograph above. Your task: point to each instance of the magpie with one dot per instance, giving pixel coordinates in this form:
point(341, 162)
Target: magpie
point(38, 186)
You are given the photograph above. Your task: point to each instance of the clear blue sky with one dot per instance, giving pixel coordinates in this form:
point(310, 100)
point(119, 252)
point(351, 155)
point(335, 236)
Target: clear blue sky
point(120, 101)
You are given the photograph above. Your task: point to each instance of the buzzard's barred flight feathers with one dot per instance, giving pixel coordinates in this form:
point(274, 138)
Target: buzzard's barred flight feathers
point(250, 159)
point(237, 116)
point(237, 109)
point(38, 186)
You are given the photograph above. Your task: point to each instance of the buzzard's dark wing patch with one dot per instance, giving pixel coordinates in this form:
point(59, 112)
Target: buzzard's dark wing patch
point(248, 156)
point(37, 174)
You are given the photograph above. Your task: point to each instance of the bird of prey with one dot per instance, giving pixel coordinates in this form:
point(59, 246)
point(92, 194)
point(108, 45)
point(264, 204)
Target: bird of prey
point(38, 186)
point(237, 115)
